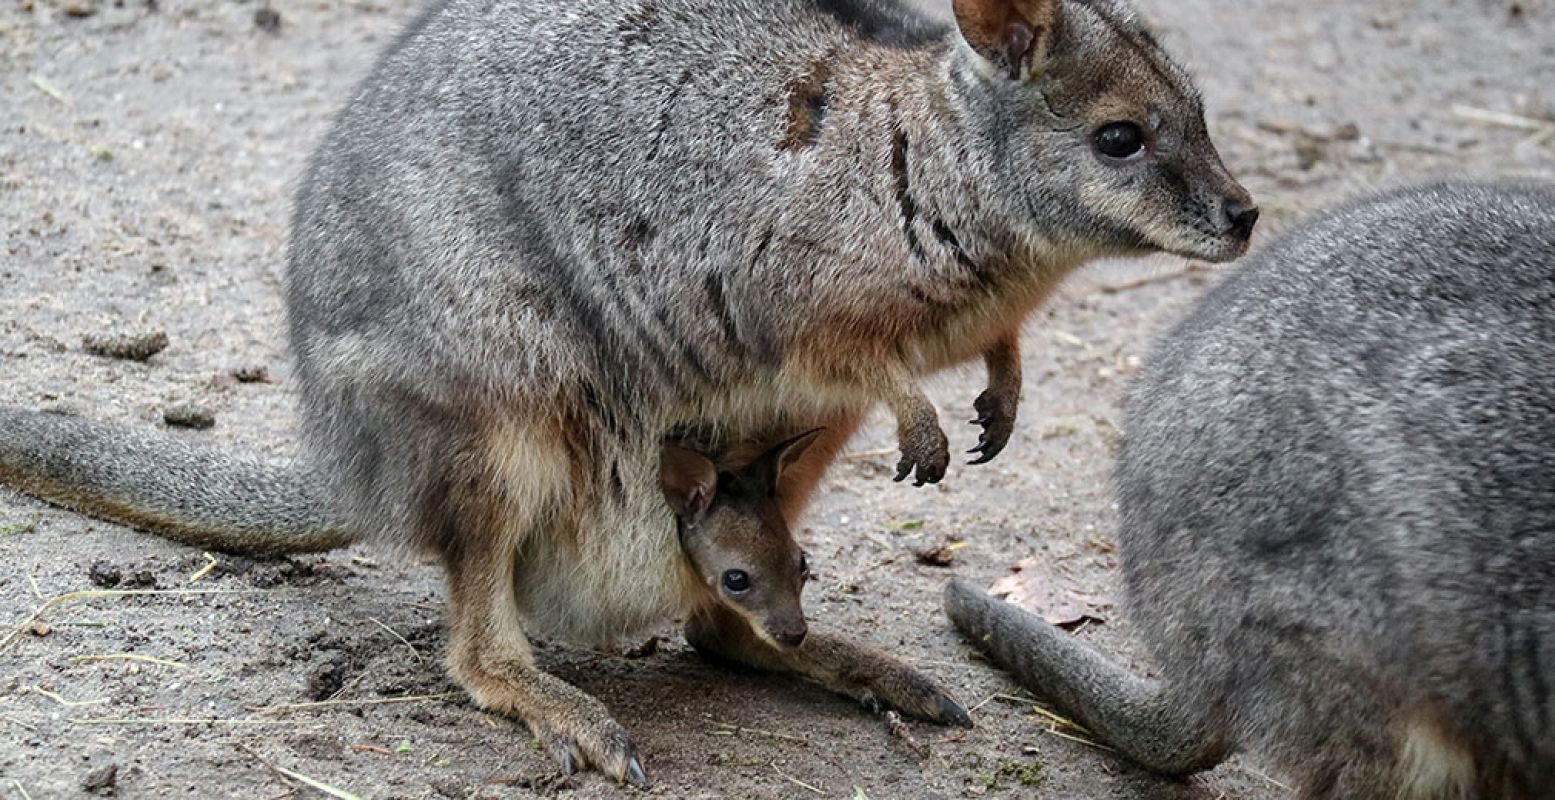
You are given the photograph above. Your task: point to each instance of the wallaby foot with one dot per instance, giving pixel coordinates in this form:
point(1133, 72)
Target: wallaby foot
point(867, 675)
point(1139, 717)
point(997, 405)
point(490, 657)
point(925, 448)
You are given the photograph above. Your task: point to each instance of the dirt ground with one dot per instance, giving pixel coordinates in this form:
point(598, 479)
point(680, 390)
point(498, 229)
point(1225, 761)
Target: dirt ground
point(147, 152)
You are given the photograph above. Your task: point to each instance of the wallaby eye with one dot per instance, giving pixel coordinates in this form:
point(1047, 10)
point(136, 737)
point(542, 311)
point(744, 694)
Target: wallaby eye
point(737, 582)
point(1120, 140)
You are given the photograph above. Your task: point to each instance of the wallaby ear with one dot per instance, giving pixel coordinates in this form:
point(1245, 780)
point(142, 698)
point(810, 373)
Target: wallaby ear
point(768, 468)
point(1012, 34)
point(689, 480)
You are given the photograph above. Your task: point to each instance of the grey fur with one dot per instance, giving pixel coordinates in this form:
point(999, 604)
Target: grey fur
point(582, 208)
point(1337, 490)
point(186, 491)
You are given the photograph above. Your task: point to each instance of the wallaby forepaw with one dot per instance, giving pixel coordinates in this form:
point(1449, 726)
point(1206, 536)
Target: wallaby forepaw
point(996, 413)
point(601, 744)
point(927, 452)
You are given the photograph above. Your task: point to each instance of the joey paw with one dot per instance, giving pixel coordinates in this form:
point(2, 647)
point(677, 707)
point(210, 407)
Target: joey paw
point(925, 451)
point(601, 744)
point(996, 413)
point(911, 692)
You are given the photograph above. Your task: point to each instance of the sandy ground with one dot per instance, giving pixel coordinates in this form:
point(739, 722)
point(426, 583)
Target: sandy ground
point(146, 159)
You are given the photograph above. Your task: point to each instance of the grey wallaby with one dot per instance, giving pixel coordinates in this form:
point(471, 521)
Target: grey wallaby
point(1337, 493)
point(543, 234)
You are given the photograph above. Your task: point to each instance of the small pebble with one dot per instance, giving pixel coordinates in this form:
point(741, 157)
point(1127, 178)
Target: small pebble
point(937, 556)
point(105, 575)
point(80, 8)
point(252, 373)
point(142, 579)
point(102, 781)
point(190, 416)
point(267, 19)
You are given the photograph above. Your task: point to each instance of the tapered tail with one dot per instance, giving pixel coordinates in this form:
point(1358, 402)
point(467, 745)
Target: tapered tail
point(1137, 716)
point(191, 493)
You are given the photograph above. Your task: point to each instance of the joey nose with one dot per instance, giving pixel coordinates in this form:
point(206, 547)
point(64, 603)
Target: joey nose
point(790, 637)
point(1242, 217)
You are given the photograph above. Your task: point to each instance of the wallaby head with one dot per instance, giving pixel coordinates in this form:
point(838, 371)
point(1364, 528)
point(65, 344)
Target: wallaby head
point(1098, 131)
point(734, 534)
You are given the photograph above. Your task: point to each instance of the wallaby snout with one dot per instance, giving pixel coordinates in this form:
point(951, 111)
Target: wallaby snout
point(1226, 212)
point(1241, 215)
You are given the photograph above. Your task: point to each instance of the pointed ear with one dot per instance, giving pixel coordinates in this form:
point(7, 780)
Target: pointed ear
point(789, 450)
point(769, 466)
point(1014, 35)
point(689, 481)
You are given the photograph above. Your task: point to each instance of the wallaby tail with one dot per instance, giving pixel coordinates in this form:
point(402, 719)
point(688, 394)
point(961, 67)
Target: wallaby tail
point(187, 492)
point(1135, 715)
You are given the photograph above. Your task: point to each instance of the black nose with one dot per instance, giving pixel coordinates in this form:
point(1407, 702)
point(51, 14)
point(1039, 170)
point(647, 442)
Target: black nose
point(790, 638)
point(1242, 218)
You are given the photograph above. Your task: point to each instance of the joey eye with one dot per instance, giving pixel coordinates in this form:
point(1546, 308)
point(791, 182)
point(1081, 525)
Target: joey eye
point(737, 582)
point(1120, 140)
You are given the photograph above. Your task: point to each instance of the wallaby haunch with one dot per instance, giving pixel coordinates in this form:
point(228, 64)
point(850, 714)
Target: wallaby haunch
point(1337, 491)
point(543, 234)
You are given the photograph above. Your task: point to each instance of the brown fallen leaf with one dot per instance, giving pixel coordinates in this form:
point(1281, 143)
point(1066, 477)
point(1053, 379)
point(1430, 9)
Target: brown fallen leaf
point(1032, 585)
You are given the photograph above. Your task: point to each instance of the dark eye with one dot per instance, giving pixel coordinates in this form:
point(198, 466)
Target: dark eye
point(737, 582)
point(804, 565)
point(1120, 140)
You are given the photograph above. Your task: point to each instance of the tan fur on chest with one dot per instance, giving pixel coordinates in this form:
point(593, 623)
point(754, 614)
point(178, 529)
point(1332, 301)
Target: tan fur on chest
point(923, 338)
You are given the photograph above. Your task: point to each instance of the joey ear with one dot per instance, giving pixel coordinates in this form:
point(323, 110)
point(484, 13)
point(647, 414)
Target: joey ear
point(791, 449)
point(769, 467)
point(689, 480)
point(1014, 35)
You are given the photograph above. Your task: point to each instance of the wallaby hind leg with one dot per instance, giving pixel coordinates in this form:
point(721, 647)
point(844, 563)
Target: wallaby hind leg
point(1139, 717)
point(867, 675)
point(490, 657)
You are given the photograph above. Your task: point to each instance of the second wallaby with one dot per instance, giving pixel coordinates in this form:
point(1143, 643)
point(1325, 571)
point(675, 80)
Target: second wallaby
point(1337, 497)
point(543, 234)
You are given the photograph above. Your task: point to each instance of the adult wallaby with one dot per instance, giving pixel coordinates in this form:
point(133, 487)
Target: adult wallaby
point(1337, 490)
point(543, 234)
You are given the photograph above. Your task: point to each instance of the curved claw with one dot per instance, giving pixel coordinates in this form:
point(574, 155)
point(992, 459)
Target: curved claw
point(903, 470)
point(636, 775)
point(951, 713)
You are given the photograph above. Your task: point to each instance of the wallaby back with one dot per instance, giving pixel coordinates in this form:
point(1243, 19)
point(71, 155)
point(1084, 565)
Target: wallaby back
point(194, 494)
point(1337, 490)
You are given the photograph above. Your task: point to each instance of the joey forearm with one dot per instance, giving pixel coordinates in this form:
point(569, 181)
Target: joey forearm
point(863, 673)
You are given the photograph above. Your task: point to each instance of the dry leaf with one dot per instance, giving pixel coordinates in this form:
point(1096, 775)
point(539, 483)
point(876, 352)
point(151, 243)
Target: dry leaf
point(1055, 597)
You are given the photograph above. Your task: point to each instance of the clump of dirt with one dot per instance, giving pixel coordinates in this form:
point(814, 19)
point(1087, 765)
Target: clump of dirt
point(128, 346)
